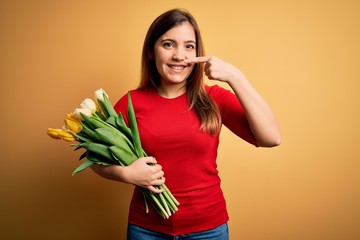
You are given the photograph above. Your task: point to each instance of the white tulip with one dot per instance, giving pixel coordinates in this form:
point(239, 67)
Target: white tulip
point(89, 105)
point(99, 94)
point(85, 111)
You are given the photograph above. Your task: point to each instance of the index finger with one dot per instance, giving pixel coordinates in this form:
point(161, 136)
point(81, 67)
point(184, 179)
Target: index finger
point(197, 59)
point(155, 190)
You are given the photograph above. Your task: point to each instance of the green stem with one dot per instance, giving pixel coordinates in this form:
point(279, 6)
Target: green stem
point(170, 201)
point(156, 204)
point(146, 204)
point(170, 194)
point(162, 199)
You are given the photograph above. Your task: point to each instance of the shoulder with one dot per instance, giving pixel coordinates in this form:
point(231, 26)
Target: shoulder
point(219, 94)
point(136, 95)
point(216, 90)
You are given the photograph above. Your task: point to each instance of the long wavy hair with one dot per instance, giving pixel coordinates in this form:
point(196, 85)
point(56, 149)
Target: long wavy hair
point(199, 100)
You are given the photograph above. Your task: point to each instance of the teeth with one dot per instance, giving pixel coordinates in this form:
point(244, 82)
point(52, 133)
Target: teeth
point(177, 67)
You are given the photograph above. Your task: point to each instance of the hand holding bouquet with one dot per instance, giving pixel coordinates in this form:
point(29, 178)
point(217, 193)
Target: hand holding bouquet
point(107, 139)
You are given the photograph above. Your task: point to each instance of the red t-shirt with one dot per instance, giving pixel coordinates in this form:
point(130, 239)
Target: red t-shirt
point(169, 131)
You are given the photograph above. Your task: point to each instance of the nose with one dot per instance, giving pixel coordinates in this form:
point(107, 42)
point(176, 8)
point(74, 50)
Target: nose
point(179, 54)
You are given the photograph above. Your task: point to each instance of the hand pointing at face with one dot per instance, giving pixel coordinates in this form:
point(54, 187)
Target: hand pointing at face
point(215, 68)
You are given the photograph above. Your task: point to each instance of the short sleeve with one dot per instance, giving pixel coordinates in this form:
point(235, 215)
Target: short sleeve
point(232, 113)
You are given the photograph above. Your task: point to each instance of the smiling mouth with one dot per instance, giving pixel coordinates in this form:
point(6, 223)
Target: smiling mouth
point(177, 67)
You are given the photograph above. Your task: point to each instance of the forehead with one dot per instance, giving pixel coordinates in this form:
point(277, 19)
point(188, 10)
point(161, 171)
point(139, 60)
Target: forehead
point(182, 32)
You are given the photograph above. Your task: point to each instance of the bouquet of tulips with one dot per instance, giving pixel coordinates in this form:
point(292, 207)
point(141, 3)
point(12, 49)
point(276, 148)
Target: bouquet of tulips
point(107, 139)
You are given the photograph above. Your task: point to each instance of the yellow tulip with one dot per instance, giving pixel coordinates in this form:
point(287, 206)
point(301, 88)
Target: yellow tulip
point(54, 133)
point(67, 136)
point(57, 133)
point(73, 123)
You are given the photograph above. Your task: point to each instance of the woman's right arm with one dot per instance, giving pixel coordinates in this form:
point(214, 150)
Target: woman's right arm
point(139, 173)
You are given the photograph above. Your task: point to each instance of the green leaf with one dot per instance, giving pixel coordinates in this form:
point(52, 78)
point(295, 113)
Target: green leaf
point(113, 137)
point(94, 121)
point(120, 120)
point(83, 166)
point(134, 129)
point(123, 155)
point(89, 132)
point(98, 159)
point(100, 115)
point(83, 155)
point(86, 123)
point(83, 138)
point(109, 107)
point(112, 120)
point(119, 124)
point(122, 127)
point(103, 108)
point(97, 148)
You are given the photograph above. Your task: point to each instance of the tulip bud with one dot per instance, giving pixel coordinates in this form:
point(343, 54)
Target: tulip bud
point(99, 94)
point(73, 123)
point(89, 104)
point(54, 133)
point(67, 136)
point(78, 111)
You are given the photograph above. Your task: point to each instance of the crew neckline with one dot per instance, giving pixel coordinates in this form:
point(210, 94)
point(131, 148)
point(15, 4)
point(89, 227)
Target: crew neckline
point(169, 98)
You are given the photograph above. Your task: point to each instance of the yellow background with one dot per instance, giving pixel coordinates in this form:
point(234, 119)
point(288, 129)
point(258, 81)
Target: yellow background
point(302, 56)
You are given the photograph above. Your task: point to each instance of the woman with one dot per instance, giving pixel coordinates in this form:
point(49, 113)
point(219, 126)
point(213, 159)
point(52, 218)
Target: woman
point(179, 120)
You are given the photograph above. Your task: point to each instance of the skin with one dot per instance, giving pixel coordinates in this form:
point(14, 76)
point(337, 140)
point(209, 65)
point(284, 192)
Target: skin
point(171, 49)
point(175, 56)
point(261, 118)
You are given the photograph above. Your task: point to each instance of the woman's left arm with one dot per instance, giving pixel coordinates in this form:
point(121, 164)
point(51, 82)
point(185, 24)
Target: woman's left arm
point(262, 120)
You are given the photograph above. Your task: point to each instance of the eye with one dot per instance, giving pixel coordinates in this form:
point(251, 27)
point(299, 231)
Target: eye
point(168, 44)
point(190, 46)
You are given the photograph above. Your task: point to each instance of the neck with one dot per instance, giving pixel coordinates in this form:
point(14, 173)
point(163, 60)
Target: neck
point(171, 91)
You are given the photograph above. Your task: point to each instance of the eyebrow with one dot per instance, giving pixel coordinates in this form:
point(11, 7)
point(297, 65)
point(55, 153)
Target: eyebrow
point(173, 41)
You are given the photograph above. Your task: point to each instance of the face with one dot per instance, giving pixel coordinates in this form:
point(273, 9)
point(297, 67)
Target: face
point(171, 49)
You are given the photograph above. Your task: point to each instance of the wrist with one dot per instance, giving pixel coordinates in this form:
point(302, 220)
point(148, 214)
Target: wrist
point(119, 174)
point(236, 77)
